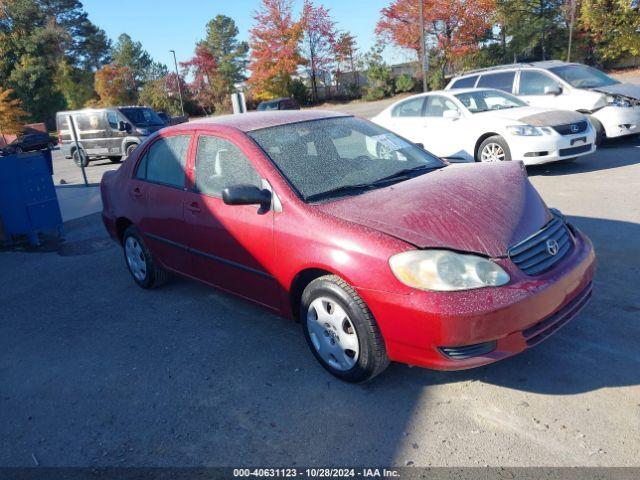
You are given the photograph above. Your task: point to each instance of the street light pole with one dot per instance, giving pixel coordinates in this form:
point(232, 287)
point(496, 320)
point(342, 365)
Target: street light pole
point(175, 62)
point(573, 17)
point(422, 48)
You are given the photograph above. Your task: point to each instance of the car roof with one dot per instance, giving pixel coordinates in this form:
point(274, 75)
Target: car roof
point(515, 66)
point(247, 122)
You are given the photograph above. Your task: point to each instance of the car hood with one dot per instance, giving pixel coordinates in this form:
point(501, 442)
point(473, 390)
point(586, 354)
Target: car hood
point(624, 89)
point(479, 208)
point(536, 116)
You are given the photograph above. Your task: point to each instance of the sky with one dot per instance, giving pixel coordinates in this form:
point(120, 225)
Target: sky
point(163, 25)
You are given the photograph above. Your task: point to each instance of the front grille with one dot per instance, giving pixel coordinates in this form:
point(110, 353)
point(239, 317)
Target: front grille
point(535, 254)
point(571, 128)
point(564, 152)
point(469, 351)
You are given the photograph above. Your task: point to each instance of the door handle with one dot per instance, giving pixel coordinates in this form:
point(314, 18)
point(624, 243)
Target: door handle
point(136, 193)
point(194, 208)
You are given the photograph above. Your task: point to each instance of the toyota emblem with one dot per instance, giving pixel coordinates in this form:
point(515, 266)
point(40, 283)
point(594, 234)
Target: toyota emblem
point(575, 128)
point(552, 247)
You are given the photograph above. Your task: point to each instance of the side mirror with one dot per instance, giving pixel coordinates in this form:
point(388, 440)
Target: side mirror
point(419, 145)
point(451, 114)
point(552, 90)
point(246, 195)
point(124, 126)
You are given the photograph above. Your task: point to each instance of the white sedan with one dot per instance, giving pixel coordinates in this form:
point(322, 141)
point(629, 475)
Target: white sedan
point(488, 125)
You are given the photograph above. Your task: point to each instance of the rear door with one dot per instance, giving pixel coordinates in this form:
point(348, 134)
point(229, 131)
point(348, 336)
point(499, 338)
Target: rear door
point(115, 137)
point(92, 132)
point(157, 193)
point(499, 80)
point(407, 119)
point(230, 246)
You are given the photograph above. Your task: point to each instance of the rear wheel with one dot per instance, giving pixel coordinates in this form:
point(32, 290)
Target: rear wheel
point(146, 272)
point(80, 158)
point(493, 149)
point(340, 330)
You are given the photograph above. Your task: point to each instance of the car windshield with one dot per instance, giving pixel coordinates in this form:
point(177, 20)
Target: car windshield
point(581, 76)
point(267, 106)
point(479, 101)
point(344, 156)
point(142, 117)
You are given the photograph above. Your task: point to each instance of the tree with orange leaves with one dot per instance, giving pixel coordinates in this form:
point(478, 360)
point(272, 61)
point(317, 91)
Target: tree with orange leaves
point(275, 54)
point(115, 85)
point(12, 117)
point(455, 27)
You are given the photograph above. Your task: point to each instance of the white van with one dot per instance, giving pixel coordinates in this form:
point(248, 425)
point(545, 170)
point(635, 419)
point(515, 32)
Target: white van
point(613, 107)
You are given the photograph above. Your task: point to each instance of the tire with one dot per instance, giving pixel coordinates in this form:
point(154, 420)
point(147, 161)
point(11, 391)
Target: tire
point(115, 159)
point(496, 144)
point(601, 135)
point(129, 150)
point(146, 272)
point(80, 158)
point(351, 348)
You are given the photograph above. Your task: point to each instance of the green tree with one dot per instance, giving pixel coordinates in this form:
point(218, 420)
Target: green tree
point(39, 41)
point(609, 29)
point(230, 53)
point(128, 53)
point(378, 74)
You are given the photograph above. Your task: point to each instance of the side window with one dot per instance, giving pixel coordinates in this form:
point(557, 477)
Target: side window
point(86, 122)
point(437, 105)
point(220, 164)
point(165, 161)
point(500, 81)
point(112, 118)
point(410, 108)
point(466, 82)
point(534, 83)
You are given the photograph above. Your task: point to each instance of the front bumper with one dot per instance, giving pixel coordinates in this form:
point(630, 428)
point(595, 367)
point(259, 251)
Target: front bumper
point(619, 121)
point(417, 327)
point(551, 147)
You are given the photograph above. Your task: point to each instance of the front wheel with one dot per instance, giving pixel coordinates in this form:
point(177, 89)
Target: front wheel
point(601, 135)
point(340, 330)
point(493, 149)
point(130, 149)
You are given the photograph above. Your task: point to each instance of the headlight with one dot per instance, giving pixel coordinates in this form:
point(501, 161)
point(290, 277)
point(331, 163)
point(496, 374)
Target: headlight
point(445, 271)
point(618, 101)
point(524, 130)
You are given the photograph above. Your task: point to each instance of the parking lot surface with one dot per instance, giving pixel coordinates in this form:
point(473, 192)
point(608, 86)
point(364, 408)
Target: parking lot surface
point(95, 371)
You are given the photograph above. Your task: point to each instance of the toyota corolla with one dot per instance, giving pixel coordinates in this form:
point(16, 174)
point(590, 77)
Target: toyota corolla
point(381, 250)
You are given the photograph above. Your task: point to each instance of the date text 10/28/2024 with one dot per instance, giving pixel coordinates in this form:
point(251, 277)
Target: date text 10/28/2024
point(315, 473)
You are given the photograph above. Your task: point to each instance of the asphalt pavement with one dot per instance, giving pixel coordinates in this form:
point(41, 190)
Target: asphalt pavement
point(95, 371)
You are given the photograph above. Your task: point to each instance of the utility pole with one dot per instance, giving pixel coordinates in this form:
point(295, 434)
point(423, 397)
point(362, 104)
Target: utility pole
point(423, 53)
point(573, 16)
point(175, 62)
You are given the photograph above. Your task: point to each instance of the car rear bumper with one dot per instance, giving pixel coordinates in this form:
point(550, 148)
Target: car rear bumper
point(461, 330)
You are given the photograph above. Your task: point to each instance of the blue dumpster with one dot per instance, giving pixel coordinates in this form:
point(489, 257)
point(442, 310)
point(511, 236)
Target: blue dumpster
point(28, 201)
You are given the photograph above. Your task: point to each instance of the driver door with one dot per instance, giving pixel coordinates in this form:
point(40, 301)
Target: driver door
point(231, 246)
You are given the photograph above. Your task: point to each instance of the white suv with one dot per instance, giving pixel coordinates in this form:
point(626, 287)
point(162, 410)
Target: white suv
point(613, 107)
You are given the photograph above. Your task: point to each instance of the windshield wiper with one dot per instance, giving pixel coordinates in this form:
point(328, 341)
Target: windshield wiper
point(381, 182)
point(406, 173)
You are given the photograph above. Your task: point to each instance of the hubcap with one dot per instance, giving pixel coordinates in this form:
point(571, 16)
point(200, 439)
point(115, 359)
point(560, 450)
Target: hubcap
point(332, 333)
point(492, 152)
point(135, 258)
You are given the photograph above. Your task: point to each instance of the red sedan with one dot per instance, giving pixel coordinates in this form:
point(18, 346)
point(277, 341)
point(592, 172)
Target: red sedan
point(382, 251)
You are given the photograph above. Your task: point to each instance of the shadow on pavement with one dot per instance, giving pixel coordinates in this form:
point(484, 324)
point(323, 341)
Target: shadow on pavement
point(96, 371)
